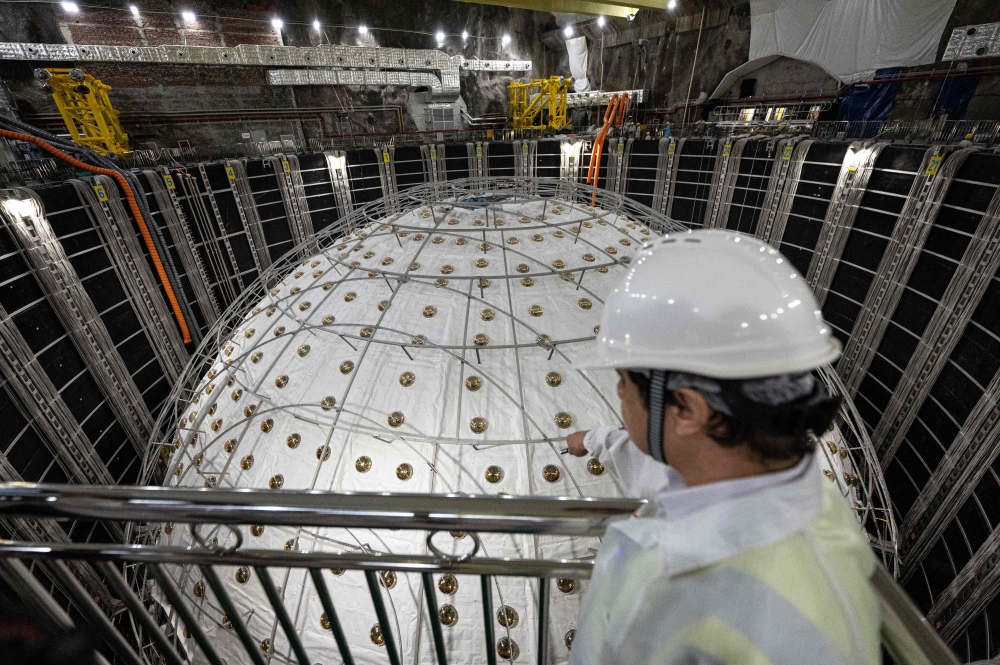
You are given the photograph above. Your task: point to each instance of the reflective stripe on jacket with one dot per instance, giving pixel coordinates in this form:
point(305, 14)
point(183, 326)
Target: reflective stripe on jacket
point(776, 575)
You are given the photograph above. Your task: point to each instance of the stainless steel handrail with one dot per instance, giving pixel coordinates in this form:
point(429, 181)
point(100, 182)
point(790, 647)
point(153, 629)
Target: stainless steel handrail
point(456, 512)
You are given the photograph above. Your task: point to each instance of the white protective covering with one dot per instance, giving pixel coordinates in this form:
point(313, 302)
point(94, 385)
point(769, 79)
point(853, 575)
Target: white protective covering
point(577, 49)
point(849, 38)
point(419, 304)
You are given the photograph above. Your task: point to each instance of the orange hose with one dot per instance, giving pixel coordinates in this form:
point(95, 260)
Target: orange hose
point(616, 107)
point(130, 197)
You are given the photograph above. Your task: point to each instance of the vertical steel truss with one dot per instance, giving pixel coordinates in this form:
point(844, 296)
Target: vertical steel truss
point(336, 164)
point(851, 186)
point(240, 186)
point(780, 187)
point(727, 169)
point(65, 293)
point(215, 230)
point(772, 228)
point(118, 236)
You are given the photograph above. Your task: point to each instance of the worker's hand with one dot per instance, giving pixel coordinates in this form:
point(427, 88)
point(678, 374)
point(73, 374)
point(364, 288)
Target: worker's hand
point(575, 443)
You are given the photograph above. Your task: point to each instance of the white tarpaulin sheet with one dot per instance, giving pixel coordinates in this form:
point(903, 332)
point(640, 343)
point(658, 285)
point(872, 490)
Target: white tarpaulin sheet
point(849, 38)
point(577, 49)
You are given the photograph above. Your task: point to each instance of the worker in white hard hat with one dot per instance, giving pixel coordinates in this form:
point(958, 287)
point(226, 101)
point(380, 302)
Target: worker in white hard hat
point(745, 554)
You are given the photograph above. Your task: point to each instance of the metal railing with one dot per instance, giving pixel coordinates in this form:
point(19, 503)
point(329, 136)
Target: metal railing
point(906, 634)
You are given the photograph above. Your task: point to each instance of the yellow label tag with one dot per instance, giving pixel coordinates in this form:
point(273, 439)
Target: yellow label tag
point(385, 156)
point(853, 166)
point(231, 173)
point(671, 148)
point(479, 151)
point(621, 147)
point(434, 153)
point(524, 148)
point(102, 195)
point(168, 180)
point(787, 153)
point(285, 167)
point(726, 149)
point(933, 165)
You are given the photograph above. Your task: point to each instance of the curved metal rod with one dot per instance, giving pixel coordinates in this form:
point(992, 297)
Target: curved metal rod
point(448, 557)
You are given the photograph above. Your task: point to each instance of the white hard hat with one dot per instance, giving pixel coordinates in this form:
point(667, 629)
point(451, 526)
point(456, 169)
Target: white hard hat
point(715, 303)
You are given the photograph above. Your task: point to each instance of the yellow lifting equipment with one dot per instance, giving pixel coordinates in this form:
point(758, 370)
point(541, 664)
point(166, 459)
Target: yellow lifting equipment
point(539, 103)
point(83, 103)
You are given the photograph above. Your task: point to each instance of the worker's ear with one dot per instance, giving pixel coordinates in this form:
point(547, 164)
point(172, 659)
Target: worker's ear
point(692, 413)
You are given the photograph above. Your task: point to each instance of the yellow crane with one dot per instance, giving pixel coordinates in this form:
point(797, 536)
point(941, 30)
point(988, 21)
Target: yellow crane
point(83, 103)
point(539, 103)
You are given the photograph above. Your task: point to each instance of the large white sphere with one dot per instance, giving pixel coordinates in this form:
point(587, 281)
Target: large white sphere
point(430, 352)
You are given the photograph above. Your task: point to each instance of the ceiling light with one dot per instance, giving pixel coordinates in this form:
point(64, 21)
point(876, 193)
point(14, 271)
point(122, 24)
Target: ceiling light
point(188, 16)
point(568, 31)
point(70, 7)
point(440, 37)
point(134, 10)
point(465, 35)
point(672, 4)
point(277, 23)
point(316, 26)
point(505, 40)
point(600, 21)
point(362, 29)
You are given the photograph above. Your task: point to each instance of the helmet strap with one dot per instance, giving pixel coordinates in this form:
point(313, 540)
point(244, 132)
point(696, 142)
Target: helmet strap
point(657, 400)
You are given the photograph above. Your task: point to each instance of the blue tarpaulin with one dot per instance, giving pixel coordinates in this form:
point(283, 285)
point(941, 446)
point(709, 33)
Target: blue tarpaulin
point(871, 101)
point(954, 97)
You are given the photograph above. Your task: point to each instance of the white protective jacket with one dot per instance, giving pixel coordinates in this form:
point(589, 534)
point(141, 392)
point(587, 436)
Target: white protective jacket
point(771, 569)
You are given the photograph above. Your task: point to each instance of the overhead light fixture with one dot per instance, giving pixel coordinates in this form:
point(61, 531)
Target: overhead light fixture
point(465, 35)
point(362, 29)
point(568, 31)
point(600, 21)
point(672, 4)
point(188, 16)
point(631, 17)
point(316, 25)
point(70, 7)
point(505, 40)
point(440, 37)
point(277, 23)
point(134, 10)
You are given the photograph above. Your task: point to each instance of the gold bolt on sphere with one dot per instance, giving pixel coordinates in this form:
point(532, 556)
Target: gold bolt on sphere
point(368, 255)
point(327, 286)
point(324, 622)
point(483, 283)
point(406, 379)
point(551, 473)
point(246, 463)
point(473, 383)
point(563, 420)
point(585, 303)
point(447, 269)
point(303, 306)
point(293, 440)
point(481, 339)
point(378, 639)
point(256, 530)
point(243, 574)
point(543, 340)
point(437, 240)
point(387, 261)
point(169, 528)
point(363, 464)
point(216, 424)
point(387, 578)
point(367, 332)
point(457, 535)
point(487, 314)
point(602, 269)
point(383, 305)
point(199, 589)
point(558, 264)
point(281, 381)
point(512, 240)
point(448, 615)
point(270, 311)
point(494, 474)
point(303, 350)
point(566, 584)
point(323, 452)
point(538, 237)
point(523, 267)
point(440, 282)
point(448, 584)
point(478, 425)
point(414, 266)
point(569, 638)
point(276, 481)
point(482, 263)
point(574, 228)
point(338, 571)
point(255, 358)
point(430, 311)
point(625, 241)
point(485, 246)
point(396, 419)
point(265, 646)
point(349, 296)
point(404, 471)
point(328, 319)
point(249, 333)
point(197, 459)
point(527, 281)
point(419, 340)
point(461, 241)
point(267, 425)
point(536, 310)
point(279, 331)
point(594, 467)
point(180, 469)
point(507, 648)
point(346, 366)
point(554, 379)
point(230, 445)
point(589, 258)
point(211, 409)
point(610, 250)
point(507, 617)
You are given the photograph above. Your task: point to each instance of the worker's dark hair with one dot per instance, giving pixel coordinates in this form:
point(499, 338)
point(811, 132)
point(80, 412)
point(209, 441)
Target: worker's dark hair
point(772, 433)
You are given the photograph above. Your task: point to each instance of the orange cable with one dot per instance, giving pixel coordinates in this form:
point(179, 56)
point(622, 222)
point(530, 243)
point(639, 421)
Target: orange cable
point(130, 196)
